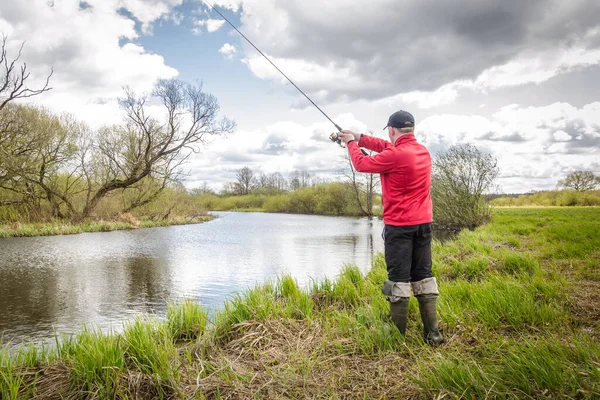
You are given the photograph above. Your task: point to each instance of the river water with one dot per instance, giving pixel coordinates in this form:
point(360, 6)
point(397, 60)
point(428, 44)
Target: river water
point(57, 284)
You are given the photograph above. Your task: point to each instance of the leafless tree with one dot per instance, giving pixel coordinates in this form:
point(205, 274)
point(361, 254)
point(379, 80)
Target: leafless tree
point(203, 189)
point(245, 181)
point(300, 179)
point(15, 143)
point(278, 182)
point(13, 78)
point(147, 147)
point(364, 185)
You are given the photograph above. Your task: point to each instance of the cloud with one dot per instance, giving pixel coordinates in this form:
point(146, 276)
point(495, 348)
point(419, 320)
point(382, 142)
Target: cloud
point(280, 147)
point(90, 49)
point(212, 25)
point(535, 146)
point(227, 50)
point(414, 49)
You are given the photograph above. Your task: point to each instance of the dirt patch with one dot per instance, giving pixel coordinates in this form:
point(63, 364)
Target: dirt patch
point(584, 300)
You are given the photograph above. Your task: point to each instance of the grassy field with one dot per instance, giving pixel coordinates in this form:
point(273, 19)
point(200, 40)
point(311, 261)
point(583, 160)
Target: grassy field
point(18, 229)
point(519, 307)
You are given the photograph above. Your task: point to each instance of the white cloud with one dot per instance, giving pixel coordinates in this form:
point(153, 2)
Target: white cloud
point(212, 25)
point(280, 147)
point(479, 46)
point(82, 46)
point(227, 50)
point(535, 146)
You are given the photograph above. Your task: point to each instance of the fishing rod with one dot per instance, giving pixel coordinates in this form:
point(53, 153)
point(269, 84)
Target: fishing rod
point(334, 136)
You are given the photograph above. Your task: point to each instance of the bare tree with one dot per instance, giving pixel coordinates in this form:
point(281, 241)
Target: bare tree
point(15, 143)
point(460, 178)
point(300, 179)
point(364, 185)
point(203, 189)
point(278, 182)
point(245, 181)
point(148, 147)
point(13, 78)
point(263, 181)
point(580, 181)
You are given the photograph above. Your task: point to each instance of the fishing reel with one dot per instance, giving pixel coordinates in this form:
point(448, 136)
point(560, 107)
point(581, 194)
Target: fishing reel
point(335, 137)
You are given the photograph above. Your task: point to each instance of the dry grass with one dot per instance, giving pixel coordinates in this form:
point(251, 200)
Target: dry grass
point(293, 359)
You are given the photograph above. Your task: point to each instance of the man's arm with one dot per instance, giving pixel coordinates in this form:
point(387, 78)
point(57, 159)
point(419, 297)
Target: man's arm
point(373, 143)
point(369, 142)
point(377, 164)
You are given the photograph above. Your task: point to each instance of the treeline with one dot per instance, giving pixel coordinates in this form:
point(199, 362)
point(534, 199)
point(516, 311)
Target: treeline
point(326, 198)
point(566, 197)
point(248, 182)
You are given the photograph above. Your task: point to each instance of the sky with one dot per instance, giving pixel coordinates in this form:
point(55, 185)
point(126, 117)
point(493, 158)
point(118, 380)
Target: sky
point(517, 79)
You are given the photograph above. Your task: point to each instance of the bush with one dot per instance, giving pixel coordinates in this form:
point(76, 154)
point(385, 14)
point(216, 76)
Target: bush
point(460, 177)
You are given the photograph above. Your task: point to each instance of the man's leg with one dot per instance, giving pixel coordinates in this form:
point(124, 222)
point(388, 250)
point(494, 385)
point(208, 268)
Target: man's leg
point(398, 254)
point(424, 285)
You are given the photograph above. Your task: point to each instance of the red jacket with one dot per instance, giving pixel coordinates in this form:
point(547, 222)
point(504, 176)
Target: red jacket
point(405, 169)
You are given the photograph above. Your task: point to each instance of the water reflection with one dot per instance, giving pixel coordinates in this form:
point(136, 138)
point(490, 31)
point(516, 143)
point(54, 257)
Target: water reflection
point(63, 282)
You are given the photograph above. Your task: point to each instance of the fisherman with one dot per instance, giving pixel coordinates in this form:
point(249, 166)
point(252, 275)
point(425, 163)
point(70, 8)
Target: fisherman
point(405, 169)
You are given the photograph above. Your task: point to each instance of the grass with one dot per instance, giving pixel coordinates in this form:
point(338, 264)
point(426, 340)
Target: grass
point(68, 228)
point(518, 307)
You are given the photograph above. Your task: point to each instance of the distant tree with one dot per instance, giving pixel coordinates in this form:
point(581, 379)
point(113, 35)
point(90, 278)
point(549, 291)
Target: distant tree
point(580, 181)
point(203, 189)
point(460, 178)
point(263, 181)
point(300, 179)
point(245, 181)
point(278, 182)
point(228, 189)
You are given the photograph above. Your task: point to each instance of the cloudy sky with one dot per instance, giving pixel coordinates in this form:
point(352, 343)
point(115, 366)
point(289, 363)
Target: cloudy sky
point(519, 79)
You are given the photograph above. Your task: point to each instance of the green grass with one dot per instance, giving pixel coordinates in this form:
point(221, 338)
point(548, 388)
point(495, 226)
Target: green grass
point(67, 228)
point(516, 307)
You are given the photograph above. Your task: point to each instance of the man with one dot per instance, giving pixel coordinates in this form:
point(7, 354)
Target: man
point(405, 168)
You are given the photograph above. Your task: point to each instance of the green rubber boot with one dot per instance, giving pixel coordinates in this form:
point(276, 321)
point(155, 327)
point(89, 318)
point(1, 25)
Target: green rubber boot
point(431, 331)
point(399, 313)
point(398, 294)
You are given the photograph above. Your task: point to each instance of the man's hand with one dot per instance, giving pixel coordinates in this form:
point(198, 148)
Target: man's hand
point(347, 136)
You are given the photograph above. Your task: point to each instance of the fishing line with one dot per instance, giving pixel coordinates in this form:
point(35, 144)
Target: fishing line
point(273, 64)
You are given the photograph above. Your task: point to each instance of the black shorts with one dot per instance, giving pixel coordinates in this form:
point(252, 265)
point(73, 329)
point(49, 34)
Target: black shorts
point(408, 252)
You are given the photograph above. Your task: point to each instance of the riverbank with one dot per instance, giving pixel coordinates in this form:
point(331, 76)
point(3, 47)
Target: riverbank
point(127, 222)
point(518, 307)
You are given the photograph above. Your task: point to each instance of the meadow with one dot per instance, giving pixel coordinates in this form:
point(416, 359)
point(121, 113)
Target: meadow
point(519, 308)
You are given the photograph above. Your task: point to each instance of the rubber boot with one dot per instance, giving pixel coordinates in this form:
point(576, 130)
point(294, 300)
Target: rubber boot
point(399, 313)
point(431, 331)
point(398, 294)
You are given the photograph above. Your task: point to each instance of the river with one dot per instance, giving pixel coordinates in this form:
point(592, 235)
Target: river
point(61, 283)
point(57, 284)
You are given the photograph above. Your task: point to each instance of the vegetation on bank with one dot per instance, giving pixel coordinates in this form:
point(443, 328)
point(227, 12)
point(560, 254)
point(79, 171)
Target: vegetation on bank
point(124, 222)
point(518, 308)
point(334, 198)
point(567, 197)
point(173, 206)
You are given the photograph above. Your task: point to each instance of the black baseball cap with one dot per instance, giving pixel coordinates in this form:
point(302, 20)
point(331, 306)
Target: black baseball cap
point(401, 119)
